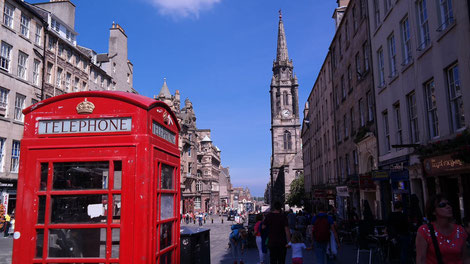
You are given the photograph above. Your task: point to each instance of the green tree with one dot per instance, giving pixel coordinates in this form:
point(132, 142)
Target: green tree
point(297, 192)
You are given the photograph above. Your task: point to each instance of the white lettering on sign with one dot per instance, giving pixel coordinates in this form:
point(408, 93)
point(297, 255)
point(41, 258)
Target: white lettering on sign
point(92, 125)
point(163, 132)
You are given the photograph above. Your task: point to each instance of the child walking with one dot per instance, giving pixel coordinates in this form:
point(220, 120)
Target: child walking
point(297, 247)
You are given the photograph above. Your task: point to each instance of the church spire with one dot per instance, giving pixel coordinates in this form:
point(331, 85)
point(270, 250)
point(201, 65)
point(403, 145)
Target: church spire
point(282, 54)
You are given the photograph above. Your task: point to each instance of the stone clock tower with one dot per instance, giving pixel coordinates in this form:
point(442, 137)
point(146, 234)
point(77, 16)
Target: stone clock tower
point(286, 159)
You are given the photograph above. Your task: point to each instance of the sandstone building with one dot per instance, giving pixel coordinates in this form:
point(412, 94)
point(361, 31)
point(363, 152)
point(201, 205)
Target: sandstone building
point(41, 58)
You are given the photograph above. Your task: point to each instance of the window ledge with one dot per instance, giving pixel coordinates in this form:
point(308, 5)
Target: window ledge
point(393, 78)
point(389, 11)
point(25, 38)
point(9, 28)
point(5, 119)
point(18, 122)
point(424, 50)
point(381, 88)
point(443, 32)
point(22, 80)
point(407, 66)
point(377, 28)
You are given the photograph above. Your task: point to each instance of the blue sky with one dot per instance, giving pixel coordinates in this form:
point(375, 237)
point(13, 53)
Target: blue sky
point(219, 54)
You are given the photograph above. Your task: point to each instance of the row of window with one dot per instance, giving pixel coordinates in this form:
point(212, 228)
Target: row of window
point(65, 80)
point(446, 18)
point(455, 104)
point(20, 101)
point(23, 65)
point(356, 18)
point(15, 155)
point(345, 167)
point(25, 24)
point(347, 128)
point(66, 53)
point(362, 67)
point(56, 26)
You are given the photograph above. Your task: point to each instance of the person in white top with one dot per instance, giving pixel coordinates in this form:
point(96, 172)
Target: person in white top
point(297, 247)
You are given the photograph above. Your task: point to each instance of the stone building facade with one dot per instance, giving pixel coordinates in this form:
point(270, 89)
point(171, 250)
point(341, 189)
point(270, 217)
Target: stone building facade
point(21, 64)
point(201, 169)
point(318, 137)
point(286, 159)
point(354, 105)
point(40, 58)
point(339, 131)
point(420, 53)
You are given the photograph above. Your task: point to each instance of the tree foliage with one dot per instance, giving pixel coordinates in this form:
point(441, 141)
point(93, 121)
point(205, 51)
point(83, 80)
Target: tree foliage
point(297, 192)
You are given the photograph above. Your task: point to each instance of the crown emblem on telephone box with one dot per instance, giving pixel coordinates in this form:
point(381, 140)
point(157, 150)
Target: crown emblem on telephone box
point(85, 107)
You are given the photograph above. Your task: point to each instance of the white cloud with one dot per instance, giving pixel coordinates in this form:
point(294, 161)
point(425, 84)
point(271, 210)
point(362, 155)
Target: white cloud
point(183, 8)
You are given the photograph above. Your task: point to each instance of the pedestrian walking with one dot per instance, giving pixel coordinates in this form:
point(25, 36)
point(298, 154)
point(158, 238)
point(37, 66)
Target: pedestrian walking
point(441, 240)
point(237, 240)
point(398, 230)
point(297, 247)
point(292, 221)
point(199, 218)
point(6, 225)
point(278, 236)
point(259, 240)
point(323, 225)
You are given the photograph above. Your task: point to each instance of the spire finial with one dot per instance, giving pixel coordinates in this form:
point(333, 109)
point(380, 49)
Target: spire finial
point(282, 54)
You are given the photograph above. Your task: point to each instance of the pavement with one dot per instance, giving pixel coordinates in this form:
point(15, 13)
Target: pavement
point(6, 246)
point(220, 252)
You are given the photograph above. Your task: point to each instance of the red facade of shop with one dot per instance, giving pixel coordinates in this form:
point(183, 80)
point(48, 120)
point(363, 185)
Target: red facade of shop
point(98, 181)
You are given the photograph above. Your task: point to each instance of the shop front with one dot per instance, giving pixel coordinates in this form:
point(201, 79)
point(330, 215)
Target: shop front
point(8, 198)
point(369, 193)
point(450, 176)
point(397, 188)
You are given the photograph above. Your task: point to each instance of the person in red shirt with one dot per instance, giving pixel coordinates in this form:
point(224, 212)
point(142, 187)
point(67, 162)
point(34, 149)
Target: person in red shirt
point(449, 238)
point(258, 225)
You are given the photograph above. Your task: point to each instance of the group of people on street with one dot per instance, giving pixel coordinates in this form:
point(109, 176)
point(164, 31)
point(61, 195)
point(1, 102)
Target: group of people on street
point(192, 217)
point(277, 231)
point(436, 238)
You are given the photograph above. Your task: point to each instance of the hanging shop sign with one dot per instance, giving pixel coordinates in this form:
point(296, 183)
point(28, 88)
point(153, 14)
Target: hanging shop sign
point(444, 164)
point(380, 175)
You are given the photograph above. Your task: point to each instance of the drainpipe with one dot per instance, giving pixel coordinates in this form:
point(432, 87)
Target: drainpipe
point(44, 61)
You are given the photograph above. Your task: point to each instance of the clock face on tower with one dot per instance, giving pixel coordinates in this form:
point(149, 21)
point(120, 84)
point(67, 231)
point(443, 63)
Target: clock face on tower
point(285, 113)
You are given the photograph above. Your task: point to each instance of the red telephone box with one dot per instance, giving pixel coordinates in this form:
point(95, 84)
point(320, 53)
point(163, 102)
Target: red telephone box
point(98, 181)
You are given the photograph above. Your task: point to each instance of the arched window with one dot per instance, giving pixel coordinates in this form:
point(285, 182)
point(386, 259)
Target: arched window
point(287, 140)
point(285, 98)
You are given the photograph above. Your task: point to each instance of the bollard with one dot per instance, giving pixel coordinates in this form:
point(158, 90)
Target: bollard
point(194, 221)
point(212, 220)
point(204, 221)
point(222, 220)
